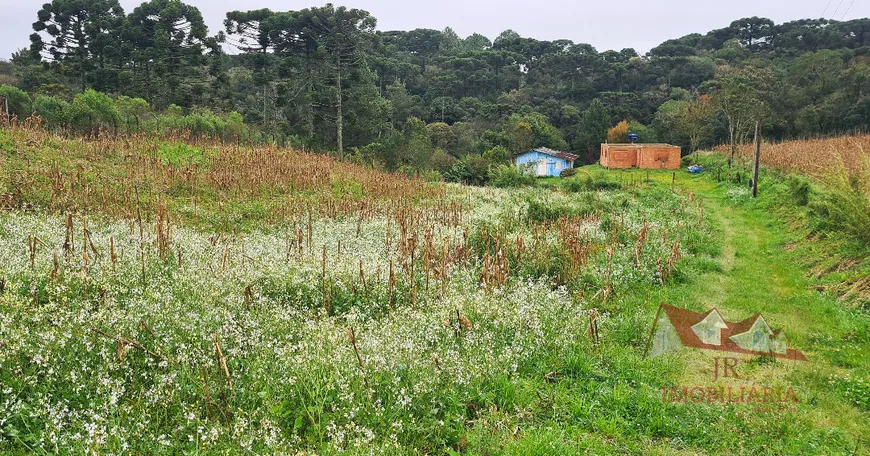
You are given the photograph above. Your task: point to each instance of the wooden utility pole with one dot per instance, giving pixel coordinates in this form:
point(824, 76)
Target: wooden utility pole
point(757, 162)
point(5, 113)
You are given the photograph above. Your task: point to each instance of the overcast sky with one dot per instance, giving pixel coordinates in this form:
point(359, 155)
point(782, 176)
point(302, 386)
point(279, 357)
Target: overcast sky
point(606, 24)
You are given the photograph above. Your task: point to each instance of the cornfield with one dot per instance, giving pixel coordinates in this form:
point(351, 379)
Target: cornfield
point(114, 175)
point(814, 157)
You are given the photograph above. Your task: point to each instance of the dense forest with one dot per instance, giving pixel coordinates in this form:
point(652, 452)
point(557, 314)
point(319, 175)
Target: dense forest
point(324, 78)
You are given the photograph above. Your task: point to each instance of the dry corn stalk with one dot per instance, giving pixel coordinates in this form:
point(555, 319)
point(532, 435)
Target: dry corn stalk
point(222, 360)
point(351, 334)
point(641, 242)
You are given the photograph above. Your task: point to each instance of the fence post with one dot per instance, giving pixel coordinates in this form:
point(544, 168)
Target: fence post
point(5, 113)
point(757, 161)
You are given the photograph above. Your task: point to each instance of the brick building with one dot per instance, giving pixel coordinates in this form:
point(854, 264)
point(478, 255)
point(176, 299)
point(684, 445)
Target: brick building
point(643, 156)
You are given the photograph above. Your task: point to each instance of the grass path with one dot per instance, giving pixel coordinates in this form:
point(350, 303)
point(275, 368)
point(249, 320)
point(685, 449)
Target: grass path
point(758, 275)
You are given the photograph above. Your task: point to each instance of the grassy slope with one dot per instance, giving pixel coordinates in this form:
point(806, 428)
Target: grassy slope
point(607, 400)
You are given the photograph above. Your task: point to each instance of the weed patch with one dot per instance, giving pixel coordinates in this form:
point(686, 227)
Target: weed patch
point(181, 155)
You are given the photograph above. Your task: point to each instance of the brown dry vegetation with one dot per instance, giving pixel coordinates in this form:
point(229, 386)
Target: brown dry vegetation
point(110, 174)
point(815, 157)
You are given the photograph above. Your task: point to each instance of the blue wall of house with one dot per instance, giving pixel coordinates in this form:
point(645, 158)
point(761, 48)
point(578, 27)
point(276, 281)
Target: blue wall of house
point(552, 166)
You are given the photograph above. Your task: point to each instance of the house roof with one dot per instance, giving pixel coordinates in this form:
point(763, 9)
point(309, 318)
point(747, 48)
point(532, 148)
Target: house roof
point(555, 153)
point(640, 145)
point(683, 320)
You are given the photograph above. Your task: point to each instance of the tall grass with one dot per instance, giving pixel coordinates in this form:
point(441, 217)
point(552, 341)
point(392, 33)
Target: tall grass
point(845, 205)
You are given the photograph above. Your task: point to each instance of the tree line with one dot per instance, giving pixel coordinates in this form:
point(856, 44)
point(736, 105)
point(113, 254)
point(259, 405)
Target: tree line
point(427, 100)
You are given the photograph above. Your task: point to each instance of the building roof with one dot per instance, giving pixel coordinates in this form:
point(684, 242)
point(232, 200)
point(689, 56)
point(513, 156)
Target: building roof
point(555, 153)
point(640, 145)
point(683, 320)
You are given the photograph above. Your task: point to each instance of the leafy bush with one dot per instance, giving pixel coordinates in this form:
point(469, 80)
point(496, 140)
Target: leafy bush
point(592, 183)
point(568, 172)
point(441, 160)
point(51, 110)
point(497, 155)
point(132, 111)
point(19, 102)
point(799, 189)
point(504, 176)
point(471, 169)
point(91, 110)
point(431, 176)
point(347, 187)
point(605, 183)
point(577, 185)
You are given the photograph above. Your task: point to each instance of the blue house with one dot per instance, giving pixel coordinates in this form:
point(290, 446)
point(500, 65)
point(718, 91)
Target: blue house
point(545, 162)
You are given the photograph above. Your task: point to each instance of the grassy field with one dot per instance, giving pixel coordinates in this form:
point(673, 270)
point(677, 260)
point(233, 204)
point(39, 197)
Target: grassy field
point(161, 300)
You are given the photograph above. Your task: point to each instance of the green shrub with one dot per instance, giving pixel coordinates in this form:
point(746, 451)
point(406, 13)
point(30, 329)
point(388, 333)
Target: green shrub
point(235, 127)
point(19, 102)
point(591, 183)
point(568, 172)
point(799, 189)
point(540, 212)
point(347, 187)
point(53, 111)
point(605, 183)
point(504, 176)
point(497, 155)
point(91, 110)
point(576, 186)
point(431, 176)
point(133, 112)
point(441, 160)
point(471, 169)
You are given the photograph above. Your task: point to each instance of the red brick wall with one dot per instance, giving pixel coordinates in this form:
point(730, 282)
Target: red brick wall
point(618, 158)
point(659, 158)
point(654, 156)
